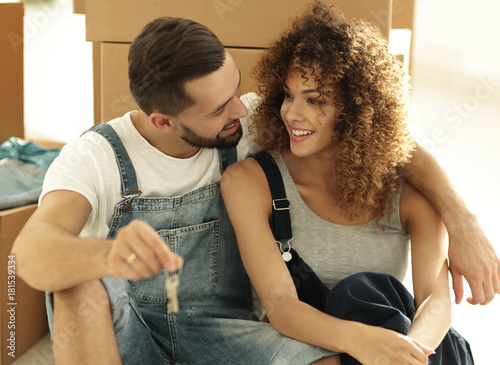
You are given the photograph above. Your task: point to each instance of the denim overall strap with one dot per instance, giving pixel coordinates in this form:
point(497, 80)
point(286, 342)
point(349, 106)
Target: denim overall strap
point(226, 158)
point(310, 289)
point(281, 204)
point(127, 172)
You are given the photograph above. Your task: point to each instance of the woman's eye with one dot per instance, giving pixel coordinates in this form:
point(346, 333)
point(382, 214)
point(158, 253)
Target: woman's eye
point(287, 95)
point(316, 101)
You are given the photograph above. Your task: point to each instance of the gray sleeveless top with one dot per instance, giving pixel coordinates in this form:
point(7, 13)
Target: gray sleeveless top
point(335, 251)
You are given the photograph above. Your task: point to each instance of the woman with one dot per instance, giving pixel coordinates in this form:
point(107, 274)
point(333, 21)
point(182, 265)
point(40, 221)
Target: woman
point(333, 112)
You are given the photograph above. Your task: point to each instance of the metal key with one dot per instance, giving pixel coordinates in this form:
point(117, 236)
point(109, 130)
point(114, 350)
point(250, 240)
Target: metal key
point(171, 284)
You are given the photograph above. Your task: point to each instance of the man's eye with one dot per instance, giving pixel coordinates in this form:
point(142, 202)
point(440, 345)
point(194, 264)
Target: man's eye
point(219, 112)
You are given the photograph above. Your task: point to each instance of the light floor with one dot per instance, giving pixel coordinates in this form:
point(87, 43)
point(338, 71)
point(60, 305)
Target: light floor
point(456, 122)
point(39, 354)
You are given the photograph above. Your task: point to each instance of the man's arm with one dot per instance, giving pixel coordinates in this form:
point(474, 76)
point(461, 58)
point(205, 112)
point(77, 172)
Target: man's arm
point(50, 255)
point(471, 254)
point(429, 268)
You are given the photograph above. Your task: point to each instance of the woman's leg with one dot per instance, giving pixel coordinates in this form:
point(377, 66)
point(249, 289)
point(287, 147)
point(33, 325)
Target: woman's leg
point(374, 299)
point(381, 300)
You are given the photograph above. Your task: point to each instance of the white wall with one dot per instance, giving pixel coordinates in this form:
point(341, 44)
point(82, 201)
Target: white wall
point(462, 34)
point(457, 98)
point(58, 98)
point(457, 92)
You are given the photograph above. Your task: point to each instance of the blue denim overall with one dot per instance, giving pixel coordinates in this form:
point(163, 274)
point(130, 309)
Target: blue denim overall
point(215, 323)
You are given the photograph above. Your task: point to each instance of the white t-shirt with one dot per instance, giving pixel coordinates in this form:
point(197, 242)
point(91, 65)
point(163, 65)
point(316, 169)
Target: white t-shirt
point(88, 166)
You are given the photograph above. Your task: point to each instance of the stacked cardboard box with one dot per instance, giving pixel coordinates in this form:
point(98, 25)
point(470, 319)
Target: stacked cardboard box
point(79, 6)
point(11, 70)
point(23, 317)
point(244, 27)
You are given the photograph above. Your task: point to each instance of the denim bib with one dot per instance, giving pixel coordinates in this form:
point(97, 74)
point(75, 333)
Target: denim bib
point(195, 226)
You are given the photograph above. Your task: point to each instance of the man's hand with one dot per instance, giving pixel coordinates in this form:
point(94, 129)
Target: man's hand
point(139, 252)
point(472, 256)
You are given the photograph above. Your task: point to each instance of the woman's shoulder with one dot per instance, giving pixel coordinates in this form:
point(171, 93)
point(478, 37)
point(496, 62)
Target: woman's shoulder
point(250, 165)
point(244, 184)
point(245, 175)
point(241, 169)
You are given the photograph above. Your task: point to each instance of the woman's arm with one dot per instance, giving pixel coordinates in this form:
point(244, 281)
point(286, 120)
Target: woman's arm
point(429, 268)
point(470, 252)
point(248, 201)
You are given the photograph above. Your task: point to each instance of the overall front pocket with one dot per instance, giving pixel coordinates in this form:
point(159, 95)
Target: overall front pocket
point(199, 247)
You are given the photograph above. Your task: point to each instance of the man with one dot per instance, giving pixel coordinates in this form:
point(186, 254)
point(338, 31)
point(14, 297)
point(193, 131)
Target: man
point(133, 199)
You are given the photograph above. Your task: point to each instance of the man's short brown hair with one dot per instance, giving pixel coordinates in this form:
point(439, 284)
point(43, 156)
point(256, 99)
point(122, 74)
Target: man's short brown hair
point(166, 54)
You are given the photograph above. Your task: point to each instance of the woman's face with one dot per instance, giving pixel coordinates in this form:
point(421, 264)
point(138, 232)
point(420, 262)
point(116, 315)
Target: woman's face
point(309, 115)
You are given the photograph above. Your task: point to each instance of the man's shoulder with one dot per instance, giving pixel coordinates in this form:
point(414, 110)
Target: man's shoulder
point(91, 137)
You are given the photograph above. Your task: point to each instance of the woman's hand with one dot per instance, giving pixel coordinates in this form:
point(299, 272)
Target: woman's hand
point(380, 346)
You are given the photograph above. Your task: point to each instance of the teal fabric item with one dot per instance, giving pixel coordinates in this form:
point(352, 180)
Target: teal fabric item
point(28, 152)
point(22, 169)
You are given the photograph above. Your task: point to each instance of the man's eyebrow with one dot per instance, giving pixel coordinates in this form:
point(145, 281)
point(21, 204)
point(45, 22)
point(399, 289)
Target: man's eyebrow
point(307, 91)
point(220, 107)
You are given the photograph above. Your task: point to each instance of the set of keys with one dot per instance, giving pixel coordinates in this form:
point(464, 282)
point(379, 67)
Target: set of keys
point(171, 285)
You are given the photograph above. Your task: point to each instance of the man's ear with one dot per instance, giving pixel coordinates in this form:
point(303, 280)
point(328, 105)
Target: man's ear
point(162, 122)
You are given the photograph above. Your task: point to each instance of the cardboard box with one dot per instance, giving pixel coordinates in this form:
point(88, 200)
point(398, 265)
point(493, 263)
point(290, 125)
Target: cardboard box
point(47, 143)
point(115, 98)
point(246, 59)
point(23, 317)
point(242, 26)
point(111, 89)
point(237, 23)
point(96, 72)
point(403, 13)
point(79, 6)
point(11, 70)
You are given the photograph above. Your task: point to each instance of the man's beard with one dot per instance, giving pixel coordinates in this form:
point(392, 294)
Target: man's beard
point(195, 140)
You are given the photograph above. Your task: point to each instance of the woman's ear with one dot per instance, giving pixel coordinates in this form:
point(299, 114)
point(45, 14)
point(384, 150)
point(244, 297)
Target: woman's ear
point(161, 122)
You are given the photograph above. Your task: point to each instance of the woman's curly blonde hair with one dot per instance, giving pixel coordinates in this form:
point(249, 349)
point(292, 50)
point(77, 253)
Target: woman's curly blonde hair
point(371, 141)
